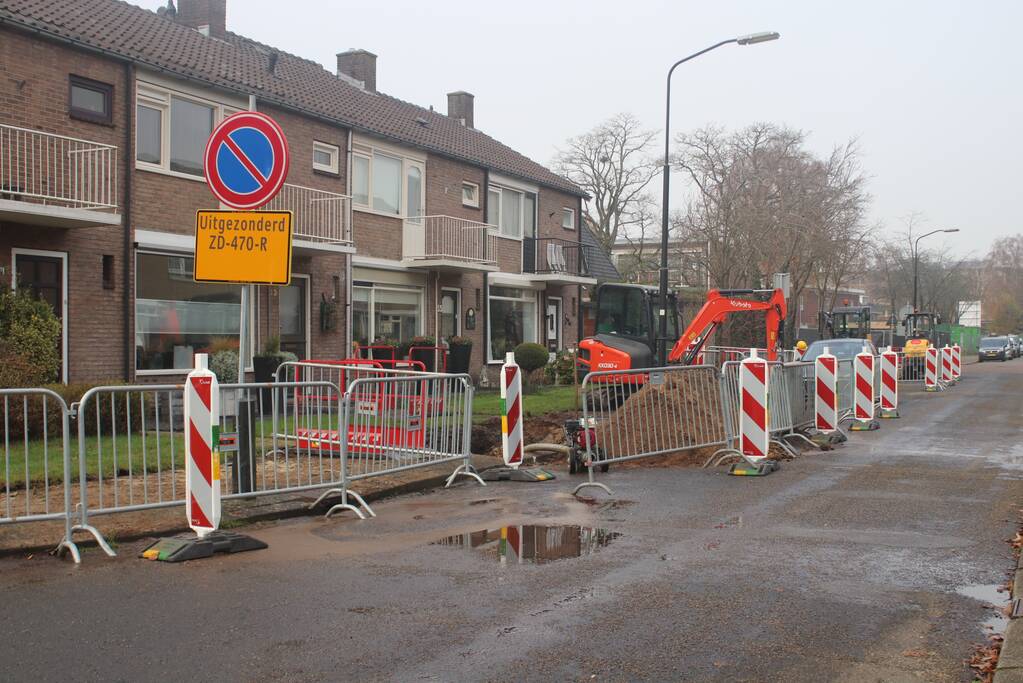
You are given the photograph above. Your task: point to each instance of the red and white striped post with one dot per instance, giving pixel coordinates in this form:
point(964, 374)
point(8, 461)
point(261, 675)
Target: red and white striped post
point(202, 448)
point(863, 392)
point(754, 418)
point(946, 365)
point(889, 384)
point(931, 369)
point(957, 362)
point(511, 420)
point(826, 393)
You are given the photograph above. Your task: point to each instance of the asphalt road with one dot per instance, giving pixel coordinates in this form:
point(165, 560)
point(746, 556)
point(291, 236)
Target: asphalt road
point(843, 566)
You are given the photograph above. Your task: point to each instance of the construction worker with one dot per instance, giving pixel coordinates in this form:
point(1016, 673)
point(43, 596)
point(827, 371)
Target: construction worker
point(800, 349)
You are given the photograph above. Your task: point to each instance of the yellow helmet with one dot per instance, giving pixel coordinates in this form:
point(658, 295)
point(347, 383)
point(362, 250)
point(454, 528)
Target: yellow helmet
point(801, 345)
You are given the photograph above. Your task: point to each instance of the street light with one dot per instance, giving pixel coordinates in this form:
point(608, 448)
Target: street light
point(916, 258)
point(751, 39)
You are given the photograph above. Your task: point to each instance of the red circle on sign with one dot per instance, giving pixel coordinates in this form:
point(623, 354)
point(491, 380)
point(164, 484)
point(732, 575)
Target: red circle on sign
point(268, 186)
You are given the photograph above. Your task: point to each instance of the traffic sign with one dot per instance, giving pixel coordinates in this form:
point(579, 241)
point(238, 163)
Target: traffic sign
point(247, 247)
point(246, 160)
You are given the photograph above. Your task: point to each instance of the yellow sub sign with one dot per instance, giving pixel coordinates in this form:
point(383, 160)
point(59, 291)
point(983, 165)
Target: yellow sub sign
point(247, 247)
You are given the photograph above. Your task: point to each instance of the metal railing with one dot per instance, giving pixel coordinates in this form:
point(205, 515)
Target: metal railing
point(44, 168)
point(552, 255)
point(642, 413)
point(455, 239)
point(319, 216)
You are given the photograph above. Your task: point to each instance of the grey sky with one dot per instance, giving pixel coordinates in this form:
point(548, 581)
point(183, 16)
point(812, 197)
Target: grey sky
point(931, 89)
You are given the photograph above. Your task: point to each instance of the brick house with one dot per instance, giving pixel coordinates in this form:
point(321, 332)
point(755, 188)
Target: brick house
point(407, 221)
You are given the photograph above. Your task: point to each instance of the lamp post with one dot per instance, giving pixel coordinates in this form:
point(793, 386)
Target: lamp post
point(916, 259)
point(751, 39)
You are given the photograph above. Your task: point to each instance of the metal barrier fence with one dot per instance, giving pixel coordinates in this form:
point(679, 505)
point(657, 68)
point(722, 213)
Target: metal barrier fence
point(912, 367)
point(642, 413)
point(395, 423)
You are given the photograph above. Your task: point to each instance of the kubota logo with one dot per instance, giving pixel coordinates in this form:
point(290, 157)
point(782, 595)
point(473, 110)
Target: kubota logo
point(740, 304)
point(608, 366)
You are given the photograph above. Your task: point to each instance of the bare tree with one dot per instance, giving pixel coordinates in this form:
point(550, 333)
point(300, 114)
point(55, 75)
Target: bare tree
point(612, 163)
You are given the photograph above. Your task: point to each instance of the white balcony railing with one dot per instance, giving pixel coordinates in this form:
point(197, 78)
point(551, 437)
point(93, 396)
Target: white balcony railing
point(44, 168)
point(446, 238)
point(319, 216)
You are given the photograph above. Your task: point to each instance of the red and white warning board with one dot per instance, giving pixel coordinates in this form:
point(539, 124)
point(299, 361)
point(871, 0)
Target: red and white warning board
point(511, 420)
point(826, 394)
point(202, 448)
point(753, 419)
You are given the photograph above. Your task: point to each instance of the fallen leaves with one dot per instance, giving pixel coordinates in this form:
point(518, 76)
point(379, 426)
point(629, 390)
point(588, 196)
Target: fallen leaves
point(985, 659)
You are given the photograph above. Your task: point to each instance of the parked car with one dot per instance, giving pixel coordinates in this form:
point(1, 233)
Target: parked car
point(994, 348)
point(1017, 346)
point(843, 349)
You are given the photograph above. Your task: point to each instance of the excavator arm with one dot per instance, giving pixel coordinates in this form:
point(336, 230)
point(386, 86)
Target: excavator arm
point(719, 305)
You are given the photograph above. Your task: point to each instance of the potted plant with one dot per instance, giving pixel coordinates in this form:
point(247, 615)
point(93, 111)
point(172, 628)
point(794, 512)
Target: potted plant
point(530, 357)
point(428, 357)
point(459, 354)
point(389, 353)
point(266, 362)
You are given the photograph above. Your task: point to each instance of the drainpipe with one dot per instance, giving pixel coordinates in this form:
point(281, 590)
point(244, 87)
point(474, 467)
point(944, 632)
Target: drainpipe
point(485, 308)
point(579, 288)
point(127, 264)
point(348, 257)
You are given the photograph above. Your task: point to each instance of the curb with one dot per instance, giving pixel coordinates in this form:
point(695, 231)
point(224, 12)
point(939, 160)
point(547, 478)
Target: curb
point(285, 509)
point(1010, 659)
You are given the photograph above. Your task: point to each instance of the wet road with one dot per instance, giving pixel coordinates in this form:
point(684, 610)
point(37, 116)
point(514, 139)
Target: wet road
point(843, 566)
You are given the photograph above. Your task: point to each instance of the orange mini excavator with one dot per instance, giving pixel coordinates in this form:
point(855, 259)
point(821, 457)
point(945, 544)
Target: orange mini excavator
point(627, 328)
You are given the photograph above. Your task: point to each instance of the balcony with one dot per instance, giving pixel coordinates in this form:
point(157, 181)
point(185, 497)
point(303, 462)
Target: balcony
point(56, 181)
point(556, 261)
point(449, 243)
point(322, 220)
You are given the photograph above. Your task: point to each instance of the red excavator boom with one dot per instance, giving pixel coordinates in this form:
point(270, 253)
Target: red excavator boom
point(721, 303)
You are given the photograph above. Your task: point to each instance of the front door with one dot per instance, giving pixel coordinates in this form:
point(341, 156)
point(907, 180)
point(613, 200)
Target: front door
point(553, 323)
point(294, 316)
point(43, 274)
point(450, 305)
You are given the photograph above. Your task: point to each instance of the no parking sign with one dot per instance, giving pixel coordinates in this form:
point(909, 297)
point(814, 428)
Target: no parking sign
point(246, 160)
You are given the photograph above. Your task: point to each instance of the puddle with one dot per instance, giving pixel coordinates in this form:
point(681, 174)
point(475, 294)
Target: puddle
point(990, 594)
point(533, 543)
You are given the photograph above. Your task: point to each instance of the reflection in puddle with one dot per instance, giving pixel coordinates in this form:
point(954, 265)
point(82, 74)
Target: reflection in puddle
point(993, 595)
point(534, 543)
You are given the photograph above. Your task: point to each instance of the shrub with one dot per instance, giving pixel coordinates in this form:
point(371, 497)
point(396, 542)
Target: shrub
point(459, 341)
point(19, 408)
point(531, 356)
point(561, 370)
point(224, 365)
point(30, 332)
point(218, 344)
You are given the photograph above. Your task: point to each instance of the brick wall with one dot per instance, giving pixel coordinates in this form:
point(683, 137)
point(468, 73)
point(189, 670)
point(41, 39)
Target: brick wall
point(34, 89)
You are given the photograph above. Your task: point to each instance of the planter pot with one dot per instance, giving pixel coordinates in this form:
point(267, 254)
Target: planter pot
point(427, 357)
point(458, 359)
point(388, 353)
point(264, 367)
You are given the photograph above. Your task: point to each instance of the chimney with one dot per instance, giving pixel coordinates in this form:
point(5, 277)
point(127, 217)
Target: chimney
point(360, 65)
point(460, 107)
point(209, 17)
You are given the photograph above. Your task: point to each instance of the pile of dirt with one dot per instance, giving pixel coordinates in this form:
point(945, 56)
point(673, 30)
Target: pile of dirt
point(547, 428)
point(675, 415)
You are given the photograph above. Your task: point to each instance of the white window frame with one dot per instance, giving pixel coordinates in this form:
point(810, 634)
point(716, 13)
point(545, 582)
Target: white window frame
point(570, 214)
point(335, 157)
point(367, 151)
point(181, 371)
point(531, 295)
point(498, 223)
point(476, 189)
point(158, 97)
point(372, 302)
point(63, 256)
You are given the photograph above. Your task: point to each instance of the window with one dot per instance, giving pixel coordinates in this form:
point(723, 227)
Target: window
point(386, 313)
point(623, 310)
point(325, 157)
point(176, 317)
point(387, 183)
point(108, 271)
point(568, 219)
point(171, 130)
point(90, 100)
point(470, 194)
point(512, 316)
point(512, 211)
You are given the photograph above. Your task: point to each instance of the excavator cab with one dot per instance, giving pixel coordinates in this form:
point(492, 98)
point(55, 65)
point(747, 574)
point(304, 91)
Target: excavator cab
point(627, 328)
point(845, 322)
